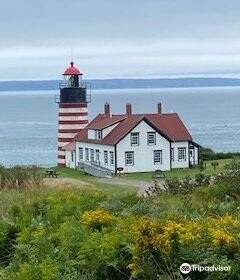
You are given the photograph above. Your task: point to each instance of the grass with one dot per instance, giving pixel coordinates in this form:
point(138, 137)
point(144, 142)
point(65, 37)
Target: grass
point(115, 189)
point(145, 176)
point(73, 173)
point(178, 173)
point(9, 198)
point(80, 175)
point(70, 233)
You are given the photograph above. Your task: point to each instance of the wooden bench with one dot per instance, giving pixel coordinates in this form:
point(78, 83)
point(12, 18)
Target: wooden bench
point(158, 174)
point(51, 174)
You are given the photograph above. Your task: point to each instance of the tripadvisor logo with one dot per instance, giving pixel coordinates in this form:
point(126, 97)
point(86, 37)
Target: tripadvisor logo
point(186, 268)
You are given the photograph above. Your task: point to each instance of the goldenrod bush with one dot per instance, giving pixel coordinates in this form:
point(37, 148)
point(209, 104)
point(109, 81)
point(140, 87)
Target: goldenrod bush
point(73, 234)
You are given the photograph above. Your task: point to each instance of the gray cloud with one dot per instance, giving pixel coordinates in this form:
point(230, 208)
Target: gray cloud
point(112, 38)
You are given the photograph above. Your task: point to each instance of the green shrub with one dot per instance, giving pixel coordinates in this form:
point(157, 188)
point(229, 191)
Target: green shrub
point(74, 234)
point(8, 236)
point(209, 154)
point(228, 182)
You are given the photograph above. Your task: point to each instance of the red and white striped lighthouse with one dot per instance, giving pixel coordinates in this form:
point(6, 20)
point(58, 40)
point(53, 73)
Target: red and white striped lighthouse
point(73, 109)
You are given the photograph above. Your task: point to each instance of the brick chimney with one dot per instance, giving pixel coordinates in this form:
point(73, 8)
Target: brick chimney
point(128, 109)
point(107, 109)
point(159, 108)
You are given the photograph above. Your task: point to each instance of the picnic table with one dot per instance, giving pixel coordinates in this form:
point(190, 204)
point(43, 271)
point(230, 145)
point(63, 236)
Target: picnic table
point(51, 174)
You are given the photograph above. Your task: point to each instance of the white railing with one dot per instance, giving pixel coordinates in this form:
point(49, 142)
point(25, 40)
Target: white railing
point(95, 169)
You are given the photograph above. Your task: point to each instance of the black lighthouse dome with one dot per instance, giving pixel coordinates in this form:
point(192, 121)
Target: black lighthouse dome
point(72, 90)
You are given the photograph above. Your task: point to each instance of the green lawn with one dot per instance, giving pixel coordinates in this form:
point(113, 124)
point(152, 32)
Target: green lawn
point(147, 176)
point(178, 173)
point(80, 175)
point(73, 173)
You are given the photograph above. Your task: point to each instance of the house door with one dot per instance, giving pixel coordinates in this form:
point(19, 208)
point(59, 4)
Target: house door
point(191, 157)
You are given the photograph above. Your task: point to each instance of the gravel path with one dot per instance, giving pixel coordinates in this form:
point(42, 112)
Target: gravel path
point(69, 182)
point(140, 184)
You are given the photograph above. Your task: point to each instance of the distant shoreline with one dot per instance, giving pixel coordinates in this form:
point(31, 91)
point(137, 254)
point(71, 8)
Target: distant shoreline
point(123, 83)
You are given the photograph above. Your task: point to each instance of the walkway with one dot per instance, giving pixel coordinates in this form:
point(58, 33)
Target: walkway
point(140, 184)
point(71, 182)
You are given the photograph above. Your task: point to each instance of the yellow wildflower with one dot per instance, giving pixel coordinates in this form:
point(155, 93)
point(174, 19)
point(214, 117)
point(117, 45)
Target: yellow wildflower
point(221, 236)
point(229, 220)
point(97, 218)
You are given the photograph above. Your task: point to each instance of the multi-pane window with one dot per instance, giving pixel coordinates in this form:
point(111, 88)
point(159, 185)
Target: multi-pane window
point(135, 138)
point(129, 158)
point(151, 138)
point(98, 134)
point(172, 154)
point(80, 150)
point(181, 154)
point(106, 157)
point(97, 155)
point(157, 157)
point(112, 158)
point(92, 155)
point(86, 154)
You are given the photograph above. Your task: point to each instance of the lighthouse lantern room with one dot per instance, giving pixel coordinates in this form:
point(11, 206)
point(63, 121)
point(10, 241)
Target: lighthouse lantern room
point(73, 109)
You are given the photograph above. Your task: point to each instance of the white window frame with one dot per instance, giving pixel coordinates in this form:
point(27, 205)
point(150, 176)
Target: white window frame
point(72, 156)
point(111, 158)
point(157, 157)
point(182, 154)
point(97, 155)
point(172, 154)
point(91, 155)
point(86, 154)
point(105, 153)
point(98, 134)
point(149, 134)
point(80, 151)
point(134, 139)
point(129, 161)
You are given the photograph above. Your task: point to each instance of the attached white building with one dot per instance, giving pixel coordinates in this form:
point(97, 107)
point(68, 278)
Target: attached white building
point(134, 142)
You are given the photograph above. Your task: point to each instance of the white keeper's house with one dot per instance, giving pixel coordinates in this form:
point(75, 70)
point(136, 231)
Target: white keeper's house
point(133, 142)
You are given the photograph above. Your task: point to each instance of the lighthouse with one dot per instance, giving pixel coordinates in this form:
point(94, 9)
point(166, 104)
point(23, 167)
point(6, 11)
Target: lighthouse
point(73, 109)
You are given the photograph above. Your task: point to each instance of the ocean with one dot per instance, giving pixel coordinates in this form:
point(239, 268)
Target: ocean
point(28, 120)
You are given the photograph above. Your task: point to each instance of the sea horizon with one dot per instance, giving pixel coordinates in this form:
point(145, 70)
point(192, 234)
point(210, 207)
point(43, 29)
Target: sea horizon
point(30, 134)
point(124, 83)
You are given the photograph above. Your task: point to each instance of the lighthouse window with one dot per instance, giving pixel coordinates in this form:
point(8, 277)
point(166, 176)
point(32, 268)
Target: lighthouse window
point(106, 157)
point(86, 154)
point(80, 153)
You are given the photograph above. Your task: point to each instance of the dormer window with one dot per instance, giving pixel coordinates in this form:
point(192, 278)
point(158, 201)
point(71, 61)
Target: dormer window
point(98, 134)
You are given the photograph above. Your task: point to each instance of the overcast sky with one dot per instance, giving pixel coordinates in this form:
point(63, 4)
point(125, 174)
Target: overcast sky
point(127, 38)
